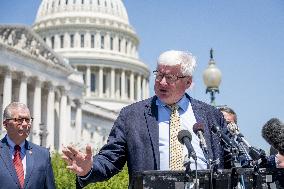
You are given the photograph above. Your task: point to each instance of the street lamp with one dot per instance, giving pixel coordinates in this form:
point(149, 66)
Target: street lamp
point(212, 78)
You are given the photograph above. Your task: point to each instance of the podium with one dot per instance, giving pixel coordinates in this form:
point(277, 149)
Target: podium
point(181, 180)
point(206, 179)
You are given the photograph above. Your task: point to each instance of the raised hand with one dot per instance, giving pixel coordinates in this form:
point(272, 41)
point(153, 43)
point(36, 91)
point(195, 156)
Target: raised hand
point(78, 162)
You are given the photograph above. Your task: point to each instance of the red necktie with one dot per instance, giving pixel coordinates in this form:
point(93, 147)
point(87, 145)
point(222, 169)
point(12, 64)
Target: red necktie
point(19, 165)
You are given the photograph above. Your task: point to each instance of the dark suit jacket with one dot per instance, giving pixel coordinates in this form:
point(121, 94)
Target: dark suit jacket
point(134, 139)
point(39, 172)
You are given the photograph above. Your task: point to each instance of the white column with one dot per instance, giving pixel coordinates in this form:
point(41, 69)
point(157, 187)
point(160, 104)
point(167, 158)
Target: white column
point(78, 121)
point(144, 88)
point(138, 83)
point(62, 118)
point(132, 86)
point(123, 84)
point(88, 81)
point(67, 124)
point(101, 73)
point(112, 83)
point(37, 112)
point(23, 89)
point(50, 117)
point(7, 93)
point(7, 89)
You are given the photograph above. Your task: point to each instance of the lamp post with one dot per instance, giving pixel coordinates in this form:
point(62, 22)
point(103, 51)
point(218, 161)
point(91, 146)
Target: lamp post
point(212, 78)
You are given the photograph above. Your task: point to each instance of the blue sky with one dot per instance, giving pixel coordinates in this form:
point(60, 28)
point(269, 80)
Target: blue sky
point(247, 37)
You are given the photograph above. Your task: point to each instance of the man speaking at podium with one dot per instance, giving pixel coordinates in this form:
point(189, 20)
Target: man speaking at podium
point(145, 133)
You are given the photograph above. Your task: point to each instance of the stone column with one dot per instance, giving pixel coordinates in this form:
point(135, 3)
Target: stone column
point(123, 84)
point(112, 83)
point(132, 86)
point(78, 121)
point(50, 117)
point(144, 88)
point(37, 112)
point(138, 83)
point(7, 94)
point(23, 89)
point(88, 81)
point(101, 74)
point(62, 118)
point(7, 89)
point(147, 89)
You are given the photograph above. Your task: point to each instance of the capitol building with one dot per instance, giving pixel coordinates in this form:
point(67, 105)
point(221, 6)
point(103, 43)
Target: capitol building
point(75, 68)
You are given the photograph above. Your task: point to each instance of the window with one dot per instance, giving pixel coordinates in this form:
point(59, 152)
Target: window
point(66, 2)
point(111, 43)
point(72, 41)
point(92, 41)
point(102, 42)
point(104, 83)
point(126, 46)
point(98, 2)
point(44, 39)
point(82, 40)
point(61, 41)
point(52, 42)
point(82, 2)
point(119, 45)
point(93, 82)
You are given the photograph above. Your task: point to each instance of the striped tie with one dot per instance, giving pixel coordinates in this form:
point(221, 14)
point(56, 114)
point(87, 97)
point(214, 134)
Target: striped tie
point(176, 151)
point(19, 165)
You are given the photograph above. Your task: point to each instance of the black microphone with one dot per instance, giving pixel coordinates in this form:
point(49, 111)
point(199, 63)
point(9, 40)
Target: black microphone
point(234, 130)
point(198, 129)
point(184, 137)
point(273, 133)
point(223, 136)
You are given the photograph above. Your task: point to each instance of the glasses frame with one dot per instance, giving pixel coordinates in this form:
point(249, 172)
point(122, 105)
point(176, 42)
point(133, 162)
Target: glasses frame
point(170, 78)
point(21, 120)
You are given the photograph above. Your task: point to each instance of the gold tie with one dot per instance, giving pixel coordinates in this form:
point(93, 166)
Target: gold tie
point(176, 161)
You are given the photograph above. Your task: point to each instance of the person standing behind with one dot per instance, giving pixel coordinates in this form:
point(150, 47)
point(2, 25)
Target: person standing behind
point(23, 165)
point(144, 132)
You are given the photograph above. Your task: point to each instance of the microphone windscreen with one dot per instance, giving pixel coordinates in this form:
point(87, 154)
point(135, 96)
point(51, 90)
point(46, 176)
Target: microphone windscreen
point(182, 134)
point(198, 127)
point(273, 133)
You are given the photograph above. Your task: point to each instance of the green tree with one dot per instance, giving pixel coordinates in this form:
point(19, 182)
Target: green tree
point(66, 179)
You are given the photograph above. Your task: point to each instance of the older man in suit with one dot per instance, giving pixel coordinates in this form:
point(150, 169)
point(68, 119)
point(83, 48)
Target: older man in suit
point(142, 135)
point(23, 165)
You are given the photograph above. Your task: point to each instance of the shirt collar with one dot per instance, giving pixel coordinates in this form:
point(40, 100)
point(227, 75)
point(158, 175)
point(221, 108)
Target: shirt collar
point(182, 103)
point(12, 144)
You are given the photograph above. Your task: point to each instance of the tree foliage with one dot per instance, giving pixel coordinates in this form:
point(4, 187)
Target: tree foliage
point(66, 179)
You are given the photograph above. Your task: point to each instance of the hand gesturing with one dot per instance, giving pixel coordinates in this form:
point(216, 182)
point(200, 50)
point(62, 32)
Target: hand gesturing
point(78, 162)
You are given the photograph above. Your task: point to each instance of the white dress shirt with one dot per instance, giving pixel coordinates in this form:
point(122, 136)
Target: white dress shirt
point(187, 119)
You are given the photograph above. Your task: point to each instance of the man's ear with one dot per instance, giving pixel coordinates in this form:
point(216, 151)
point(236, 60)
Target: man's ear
point(188, 82)
point(4, 123)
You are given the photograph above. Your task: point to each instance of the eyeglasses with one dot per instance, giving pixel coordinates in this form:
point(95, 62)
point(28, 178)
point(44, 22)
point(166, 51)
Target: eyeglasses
point(21, 120)
point(169, 77)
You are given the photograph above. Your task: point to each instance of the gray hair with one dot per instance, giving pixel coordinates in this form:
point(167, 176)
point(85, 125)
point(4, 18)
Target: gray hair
point(185, 59)
point(12, 106)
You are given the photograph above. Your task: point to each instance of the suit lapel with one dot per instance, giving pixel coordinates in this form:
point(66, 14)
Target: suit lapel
point(200, 117)
point(29, 162)
point(7, 160)
point(151, 116)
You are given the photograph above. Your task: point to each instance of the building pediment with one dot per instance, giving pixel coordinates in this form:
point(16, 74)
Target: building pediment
point(22, 40)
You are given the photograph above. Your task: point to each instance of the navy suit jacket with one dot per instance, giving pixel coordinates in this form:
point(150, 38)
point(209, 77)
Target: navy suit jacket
point(39, 172)
point(134, 139)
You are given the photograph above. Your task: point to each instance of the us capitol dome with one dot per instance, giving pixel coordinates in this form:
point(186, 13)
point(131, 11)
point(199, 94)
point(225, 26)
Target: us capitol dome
point(96, 38)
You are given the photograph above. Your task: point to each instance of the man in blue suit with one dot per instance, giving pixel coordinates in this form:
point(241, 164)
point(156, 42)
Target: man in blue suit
point(140, 135)
point(23, 165)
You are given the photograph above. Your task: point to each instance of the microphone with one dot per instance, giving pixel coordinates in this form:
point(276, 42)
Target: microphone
point(234, 130)
point(184, 137)
point(224, 137)
point(273, 133)
point(198, 129)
